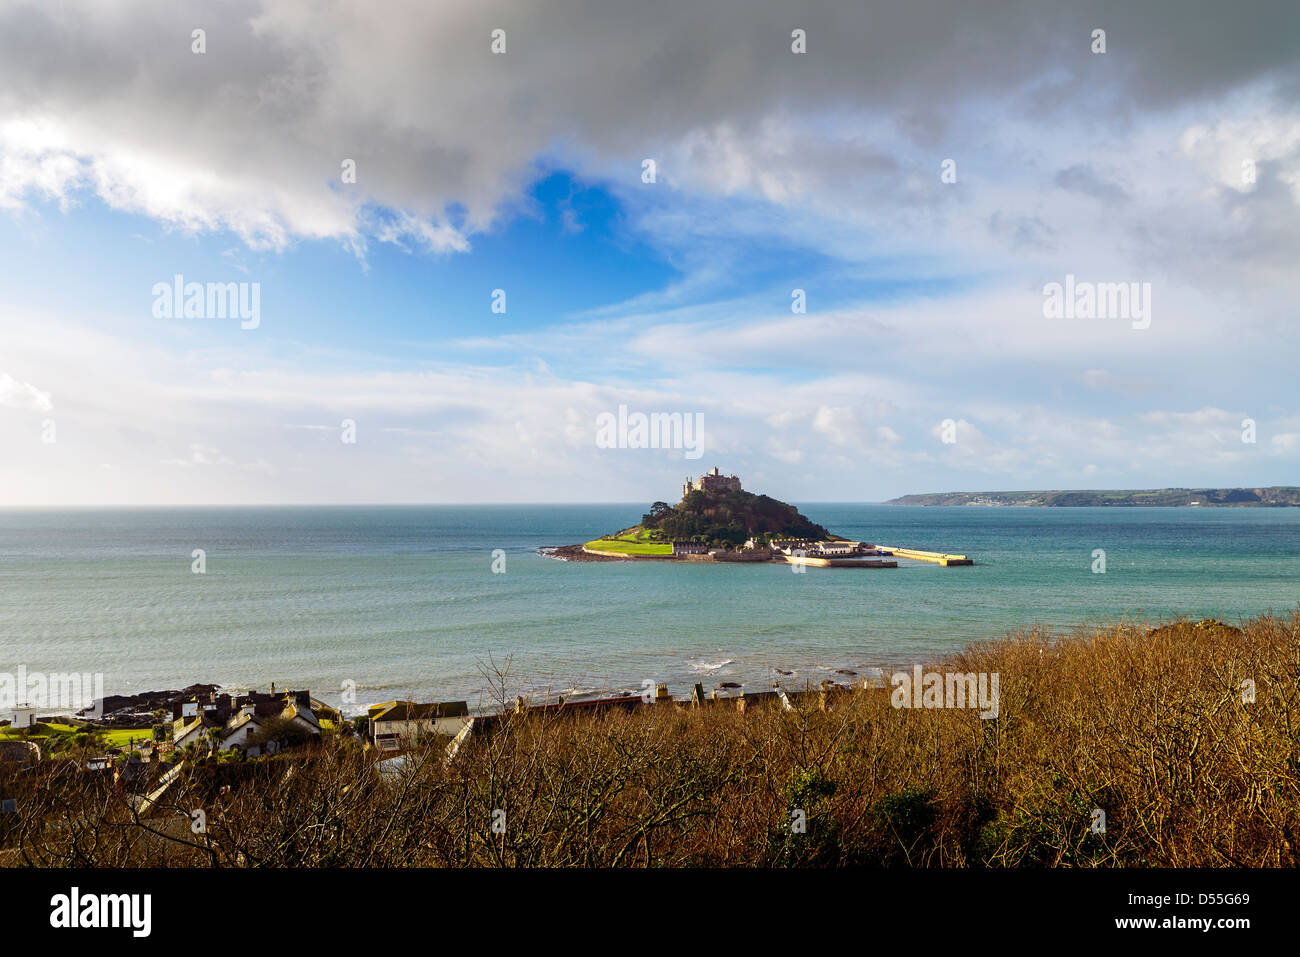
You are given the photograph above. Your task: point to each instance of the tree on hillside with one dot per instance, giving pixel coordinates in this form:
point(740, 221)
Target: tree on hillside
point(731, 517)
point(656, 514)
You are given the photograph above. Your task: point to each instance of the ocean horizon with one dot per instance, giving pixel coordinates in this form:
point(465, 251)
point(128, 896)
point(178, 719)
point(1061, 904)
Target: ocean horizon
point(402, 601)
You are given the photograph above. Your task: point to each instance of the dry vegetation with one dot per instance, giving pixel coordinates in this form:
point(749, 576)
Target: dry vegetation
point(1149, 726)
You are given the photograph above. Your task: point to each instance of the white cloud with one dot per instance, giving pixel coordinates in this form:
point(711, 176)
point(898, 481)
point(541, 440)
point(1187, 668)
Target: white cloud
point(1127, 169)
point(1285, 443)
point(251, 135)
point(23, 395)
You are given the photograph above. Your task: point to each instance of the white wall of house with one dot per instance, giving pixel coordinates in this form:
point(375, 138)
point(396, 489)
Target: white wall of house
point(410, 730)
point(197, 735)
point(20, 717)
point(306, 724)
point(838, 548)
point(239, 737)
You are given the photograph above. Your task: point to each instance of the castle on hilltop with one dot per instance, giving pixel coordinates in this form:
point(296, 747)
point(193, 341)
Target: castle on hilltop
point(711, 481)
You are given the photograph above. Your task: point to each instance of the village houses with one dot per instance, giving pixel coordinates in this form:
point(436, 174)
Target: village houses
point(224, 722)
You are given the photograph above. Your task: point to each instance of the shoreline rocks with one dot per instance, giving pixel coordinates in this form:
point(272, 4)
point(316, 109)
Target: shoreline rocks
point(574, 553)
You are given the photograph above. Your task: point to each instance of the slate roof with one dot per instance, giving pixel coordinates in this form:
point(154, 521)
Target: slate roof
point(411, 711)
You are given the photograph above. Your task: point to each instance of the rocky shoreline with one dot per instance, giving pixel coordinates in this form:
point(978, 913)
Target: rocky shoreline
point(575, 553)
point(137, 709)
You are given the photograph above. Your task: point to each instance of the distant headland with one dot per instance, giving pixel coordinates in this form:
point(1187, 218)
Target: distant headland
point(1274, 496)
point(718, 520)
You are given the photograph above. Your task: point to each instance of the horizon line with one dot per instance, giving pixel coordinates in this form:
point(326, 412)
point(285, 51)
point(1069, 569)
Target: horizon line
point(79, 505)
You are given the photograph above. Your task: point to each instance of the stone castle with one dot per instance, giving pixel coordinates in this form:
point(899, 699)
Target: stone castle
point(711, 481)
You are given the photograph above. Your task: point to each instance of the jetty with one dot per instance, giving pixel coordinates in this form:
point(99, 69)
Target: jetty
point(939, 558)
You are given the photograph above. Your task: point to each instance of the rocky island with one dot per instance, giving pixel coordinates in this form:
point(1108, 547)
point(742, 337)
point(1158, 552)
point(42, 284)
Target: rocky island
point(717, 520)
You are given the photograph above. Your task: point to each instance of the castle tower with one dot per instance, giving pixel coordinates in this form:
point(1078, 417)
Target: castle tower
point(712, 481)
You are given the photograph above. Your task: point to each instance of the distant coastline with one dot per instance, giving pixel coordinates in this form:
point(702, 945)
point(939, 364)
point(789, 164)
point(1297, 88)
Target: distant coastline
point(1273, 496)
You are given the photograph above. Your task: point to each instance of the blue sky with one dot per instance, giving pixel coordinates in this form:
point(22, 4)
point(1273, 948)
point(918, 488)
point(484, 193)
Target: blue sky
point(923, 360)
point(319, 289)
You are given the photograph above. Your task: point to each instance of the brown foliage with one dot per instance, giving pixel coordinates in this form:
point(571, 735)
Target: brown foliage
point(1148, 726)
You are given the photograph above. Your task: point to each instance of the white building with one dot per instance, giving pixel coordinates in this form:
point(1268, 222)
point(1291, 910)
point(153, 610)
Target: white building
point(690, 548)
point(20, 716)
point(838, 548)
point(196, 726)
point(398, 724)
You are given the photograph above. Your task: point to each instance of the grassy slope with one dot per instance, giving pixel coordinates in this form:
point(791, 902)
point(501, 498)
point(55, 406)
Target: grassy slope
point(634, 541)
point(113, 738)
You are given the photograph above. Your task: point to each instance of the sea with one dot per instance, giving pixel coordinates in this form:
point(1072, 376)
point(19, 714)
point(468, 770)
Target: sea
point(369, 604)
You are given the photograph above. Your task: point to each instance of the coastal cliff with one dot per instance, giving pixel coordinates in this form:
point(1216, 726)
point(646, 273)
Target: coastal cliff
point(1275, 496)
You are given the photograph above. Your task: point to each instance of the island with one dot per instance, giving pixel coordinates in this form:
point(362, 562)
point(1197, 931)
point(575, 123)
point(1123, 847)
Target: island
point(1274, 496)
point(719, 521)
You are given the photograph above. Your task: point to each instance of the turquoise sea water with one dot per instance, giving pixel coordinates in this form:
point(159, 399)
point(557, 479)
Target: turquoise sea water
point(403, 601)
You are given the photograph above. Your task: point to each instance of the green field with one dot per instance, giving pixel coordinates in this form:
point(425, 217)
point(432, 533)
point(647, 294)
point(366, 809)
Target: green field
point(628, 547)
point(112, 738)
point(633, 541)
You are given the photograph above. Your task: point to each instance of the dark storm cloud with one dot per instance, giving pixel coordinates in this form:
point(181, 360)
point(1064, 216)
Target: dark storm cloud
point(411, 91)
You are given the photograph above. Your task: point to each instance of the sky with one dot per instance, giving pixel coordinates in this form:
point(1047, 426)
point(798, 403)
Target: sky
point(461, 261)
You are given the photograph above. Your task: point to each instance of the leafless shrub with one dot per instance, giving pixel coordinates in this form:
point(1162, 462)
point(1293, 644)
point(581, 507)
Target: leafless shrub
point(1150, 727)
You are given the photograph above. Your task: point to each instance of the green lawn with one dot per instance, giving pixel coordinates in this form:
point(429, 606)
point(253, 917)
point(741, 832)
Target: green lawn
point(632, 541)
point(112, 738)
point(629, 546)
point(124, 738)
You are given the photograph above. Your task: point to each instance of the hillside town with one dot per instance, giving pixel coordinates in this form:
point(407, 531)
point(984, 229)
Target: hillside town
point(208, 726)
